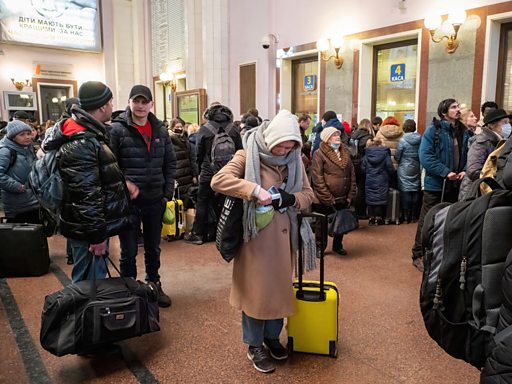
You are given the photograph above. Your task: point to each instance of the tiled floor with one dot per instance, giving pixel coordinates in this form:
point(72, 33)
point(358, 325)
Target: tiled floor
point(381, 335)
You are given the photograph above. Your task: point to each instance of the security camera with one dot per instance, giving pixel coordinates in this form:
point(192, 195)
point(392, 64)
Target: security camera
point(267, 40)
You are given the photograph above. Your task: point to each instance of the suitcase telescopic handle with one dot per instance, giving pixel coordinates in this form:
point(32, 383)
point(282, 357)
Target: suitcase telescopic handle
point(301, 293)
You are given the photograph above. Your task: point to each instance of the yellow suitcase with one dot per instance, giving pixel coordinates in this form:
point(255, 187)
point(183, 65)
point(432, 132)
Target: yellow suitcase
point(176, 231)
point(314, 326)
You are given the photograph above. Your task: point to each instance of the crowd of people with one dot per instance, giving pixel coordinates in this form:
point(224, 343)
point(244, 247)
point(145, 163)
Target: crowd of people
point(119, 169)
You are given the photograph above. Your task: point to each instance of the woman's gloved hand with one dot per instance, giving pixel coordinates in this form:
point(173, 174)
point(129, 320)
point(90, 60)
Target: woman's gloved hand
point(287, 200)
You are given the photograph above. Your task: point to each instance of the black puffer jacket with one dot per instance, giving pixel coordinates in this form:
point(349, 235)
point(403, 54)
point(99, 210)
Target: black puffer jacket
point(152, 171)
point(186, 167)
point(96, 200)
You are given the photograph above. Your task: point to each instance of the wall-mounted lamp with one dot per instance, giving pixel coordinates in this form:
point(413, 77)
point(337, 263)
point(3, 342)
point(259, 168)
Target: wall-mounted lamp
point(169, 80)
point(324, 45)
point(446, 30)
point(20, 84)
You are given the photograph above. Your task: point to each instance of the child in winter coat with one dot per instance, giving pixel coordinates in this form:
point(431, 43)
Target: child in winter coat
point(378, 168)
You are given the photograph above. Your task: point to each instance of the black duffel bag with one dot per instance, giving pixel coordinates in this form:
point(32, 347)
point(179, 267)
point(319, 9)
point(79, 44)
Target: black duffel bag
point(87, 314)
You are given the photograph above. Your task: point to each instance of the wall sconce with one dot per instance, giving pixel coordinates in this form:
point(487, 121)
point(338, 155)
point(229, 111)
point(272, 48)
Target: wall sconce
point(21, 84)
point(324, 44)
point(169, 80)
point(446, 30)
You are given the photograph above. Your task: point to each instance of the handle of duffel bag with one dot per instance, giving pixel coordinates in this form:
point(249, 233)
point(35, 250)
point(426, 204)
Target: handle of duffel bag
point(474, 188)
point(93, 280)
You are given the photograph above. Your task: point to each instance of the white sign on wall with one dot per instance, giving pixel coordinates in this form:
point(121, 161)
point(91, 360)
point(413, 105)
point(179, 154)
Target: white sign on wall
point(53, 23)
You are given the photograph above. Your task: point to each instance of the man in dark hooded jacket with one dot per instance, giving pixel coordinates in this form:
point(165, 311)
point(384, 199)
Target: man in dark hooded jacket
point(220, 118)
point(329, 119)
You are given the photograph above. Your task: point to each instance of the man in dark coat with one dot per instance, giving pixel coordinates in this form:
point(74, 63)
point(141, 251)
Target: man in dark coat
point(221, 118)
point(96, 196)
point(145, 153)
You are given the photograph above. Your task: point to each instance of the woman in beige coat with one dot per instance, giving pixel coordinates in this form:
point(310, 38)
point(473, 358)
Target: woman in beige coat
point(263, 269)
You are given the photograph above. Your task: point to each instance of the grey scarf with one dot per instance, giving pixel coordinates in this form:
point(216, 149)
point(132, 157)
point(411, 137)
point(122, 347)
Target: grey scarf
point(256, 151)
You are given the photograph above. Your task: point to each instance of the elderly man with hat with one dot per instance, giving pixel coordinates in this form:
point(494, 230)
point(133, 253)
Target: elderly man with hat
point(145, 153)
point(16, 158)
point(496, 127)
point(96, 195)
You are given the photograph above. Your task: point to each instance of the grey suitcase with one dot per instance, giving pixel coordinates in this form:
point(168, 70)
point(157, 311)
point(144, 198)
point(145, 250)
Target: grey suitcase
point(393, 208)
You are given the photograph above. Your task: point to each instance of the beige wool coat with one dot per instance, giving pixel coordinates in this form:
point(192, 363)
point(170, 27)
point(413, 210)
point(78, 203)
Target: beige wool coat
point(263, 270)
point(390, 136)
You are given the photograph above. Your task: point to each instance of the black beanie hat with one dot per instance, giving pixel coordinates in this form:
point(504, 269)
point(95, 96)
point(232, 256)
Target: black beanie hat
point(93, 95)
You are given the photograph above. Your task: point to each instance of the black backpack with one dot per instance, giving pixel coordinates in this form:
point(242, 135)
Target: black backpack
point(223, 147)
point(465, 249)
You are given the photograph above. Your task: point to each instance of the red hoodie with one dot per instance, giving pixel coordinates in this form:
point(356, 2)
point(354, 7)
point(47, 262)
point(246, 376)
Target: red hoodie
point(70, 127)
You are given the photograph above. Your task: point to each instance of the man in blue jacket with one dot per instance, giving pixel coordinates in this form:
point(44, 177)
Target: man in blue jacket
point(443, 154)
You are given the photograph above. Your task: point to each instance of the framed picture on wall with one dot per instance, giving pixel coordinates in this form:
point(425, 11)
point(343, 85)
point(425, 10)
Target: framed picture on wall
point(190, 105)
point(20, 101)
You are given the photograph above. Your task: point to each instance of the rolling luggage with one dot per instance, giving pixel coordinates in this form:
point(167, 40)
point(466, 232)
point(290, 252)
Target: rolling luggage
point(24, 250)
point(87, 314)
point(176, 231)
point(314, 326)
point(393, 208)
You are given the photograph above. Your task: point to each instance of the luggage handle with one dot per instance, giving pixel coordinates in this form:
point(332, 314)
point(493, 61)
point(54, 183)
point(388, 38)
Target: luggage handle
point(301, 293)
point(93, 280)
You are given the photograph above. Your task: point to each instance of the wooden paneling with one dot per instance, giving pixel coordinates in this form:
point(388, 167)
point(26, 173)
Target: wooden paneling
point(247, 87)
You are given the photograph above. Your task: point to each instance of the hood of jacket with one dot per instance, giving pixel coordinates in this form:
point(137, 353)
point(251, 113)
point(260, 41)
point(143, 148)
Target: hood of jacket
point(391, 131)
point(412, 138)
point(334, 123)
point(376, 155)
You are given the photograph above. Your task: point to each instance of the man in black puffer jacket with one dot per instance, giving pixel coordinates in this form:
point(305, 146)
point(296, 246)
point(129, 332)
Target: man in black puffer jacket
point(145, 154)
point(96, 196)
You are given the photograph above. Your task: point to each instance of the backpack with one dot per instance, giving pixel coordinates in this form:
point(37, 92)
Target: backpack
point(491, 166)
point(223, 147)
point(12, 159)
point(465, 249)
point(46, 184)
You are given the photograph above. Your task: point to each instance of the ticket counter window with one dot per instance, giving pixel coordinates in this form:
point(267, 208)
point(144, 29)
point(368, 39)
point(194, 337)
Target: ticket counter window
point(305, 88)
point(394, 80)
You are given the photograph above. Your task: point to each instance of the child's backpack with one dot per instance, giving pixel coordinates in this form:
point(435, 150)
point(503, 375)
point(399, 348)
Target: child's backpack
point(46, 184)
point(465, 249)
point(223, 147)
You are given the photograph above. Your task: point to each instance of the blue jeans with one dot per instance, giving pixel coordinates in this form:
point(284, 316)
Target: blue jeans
point(83, 267)
point(150, 216)
point(255, 330)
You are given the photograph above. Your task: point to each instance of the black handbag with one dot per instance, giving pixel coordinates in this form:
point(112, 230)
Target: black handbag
point(90, 313)
point(230, 231)
point(342, 221)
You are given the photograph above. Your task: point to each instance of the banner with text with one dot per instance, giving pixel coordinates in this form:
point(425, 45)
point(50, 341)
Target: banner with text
point(53, 23)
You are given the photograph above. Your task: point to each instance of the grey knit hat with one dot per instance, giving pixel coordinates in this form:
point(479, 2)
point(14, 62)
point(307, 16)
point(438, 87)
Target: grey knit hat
point(16, 126)
point(93, 95)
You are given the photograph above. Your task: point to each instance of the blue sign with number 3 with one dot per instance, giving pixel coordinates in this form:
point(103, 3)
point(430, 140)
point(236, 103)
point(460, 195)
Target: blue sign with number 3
point(397, 72)
point(309, 82)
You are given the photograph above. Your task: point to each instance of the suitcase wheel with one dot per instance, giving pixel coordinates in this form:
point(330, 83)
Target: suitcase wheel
point(333, 349)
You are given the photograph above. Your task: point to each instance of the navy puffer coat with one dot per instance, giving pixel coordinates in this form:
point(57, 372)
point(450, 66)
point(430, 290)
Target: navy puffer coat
point(378, 167)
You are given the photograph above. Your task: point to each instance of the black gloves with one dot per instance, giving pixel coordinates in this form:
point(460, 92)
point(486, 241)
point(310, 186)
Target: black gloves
point(287, 200)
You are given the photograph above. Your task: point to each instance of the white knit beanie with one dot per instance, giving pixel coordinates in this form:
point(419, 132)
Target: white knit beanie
point(16, 126)
point(283, 127)
point(326, 134)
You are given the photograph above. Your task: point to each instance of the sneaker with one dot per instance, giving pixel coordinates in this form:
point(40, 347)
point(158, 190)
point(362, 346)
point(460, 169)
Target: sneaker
point(192, 238)
point(418, 263)
point(372, 221)
point(380, 221)
point(340, 251)
point(260, 359)
point(164, 300)
point(276, 349)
